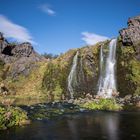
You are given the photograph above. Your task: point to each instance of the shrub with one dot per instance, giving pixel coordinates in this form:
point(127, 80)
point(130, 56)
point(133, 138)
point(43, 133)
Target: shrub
point(102, 104)
point(12, 116)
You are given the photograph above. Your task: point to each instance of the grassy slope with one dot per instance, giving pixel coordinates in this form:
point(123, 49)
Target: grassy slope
point(27, 90)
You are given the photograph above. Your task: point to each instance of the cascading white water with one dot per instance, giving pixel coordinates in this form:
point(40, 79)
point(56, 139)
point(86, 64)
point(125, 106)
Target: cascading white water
point(100, 83)
point(72, 75)
point(107, 80)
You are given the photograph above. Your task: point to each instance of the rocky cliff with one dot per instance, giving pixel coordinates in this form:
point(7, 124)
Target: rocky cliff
point(21, 71)
point(86, 76)
point(19, 58)
point(87, 72)
point(128, 52)
point(131, 36)
point(51, 77)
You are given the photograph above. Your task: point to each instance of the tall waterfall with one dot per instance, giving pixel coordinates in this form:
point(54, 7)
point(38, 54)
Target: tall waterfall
point(72, 75)
point(100, 83)
point(107, 80)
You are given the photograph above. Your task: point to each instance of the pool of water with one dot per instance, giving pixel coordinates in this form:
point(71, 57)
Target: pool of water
point(80, 126)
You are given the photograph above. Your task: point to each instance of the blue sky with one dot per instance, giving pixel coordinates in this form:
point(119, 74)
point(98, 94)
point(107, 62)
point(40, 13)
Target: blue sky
point(55, 26)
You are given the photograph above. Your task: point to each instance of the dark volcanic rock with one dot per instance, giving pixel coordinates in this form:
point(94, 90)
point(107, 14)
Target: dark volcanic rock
point(22, 50)
point(131, 35)
point(21, 57)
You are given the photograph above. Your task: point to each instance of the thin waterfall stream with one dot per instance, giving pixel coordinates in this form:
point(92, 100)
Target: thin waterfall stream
point(107, 79)
point(72, 75)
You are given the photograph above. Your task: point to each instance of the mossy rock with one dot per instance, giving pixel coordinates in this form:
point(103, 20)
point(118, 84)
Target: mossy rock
point(128, 75)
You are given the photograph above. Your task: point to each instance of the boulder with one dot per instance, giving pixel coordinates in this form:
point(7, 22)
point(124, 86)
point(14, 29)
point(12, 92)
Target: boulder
point(22, 50)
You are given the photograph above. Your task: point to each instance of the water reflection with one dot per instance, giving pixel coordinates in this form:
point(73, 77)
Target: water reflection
point(110, 124)
point(85, 126)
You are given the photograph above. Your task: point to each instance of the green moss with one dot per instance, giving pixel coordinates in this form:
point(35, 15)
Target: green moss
point(135, 76)
point(127, 69)
point(102, 104)
point(12, 116)
point(57, 93)
point(55, 77)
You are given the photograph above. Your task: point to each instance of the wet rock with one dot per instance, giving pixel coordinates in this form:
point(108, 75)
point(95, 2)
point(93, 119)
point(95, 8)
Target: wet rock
point(89, 96)
point(127, 97)
point(70, 101)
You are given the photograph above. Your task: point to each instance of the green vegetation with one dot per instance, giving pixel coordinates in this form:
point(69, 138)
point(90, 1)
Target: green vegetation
point(102, 104)
point(135, 76)
point(55, 76)
point(12, 116)
point(127, 70)
point(26, 90)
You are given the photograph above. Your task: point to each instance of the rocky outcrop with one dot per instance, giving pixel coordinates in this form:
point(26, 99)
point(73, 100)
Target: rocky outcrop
point(128, 58)
point(21, 58)
point(22, 50)
point(131, 35)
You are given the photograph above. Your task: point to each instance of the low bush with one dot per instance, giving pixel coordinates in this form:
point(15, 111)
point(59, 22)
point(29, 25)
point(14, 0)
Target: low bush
point(12, 116)
point(102, 104)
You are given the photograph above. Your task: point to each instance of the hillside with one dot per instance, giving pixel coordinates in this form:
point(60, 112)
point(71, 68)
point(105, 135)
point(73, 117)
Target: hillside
point(27, 76)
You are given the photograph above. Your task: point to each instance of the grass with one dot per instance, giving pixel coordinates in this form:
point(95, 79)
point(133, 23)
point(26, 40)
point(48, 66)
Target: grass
point(27, 90)
point(102, 104)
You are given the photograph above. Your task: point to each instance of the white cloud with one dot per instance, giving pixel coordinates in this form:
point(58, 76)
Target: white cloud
point(46, 8)
point(12, 30)
point(91, 38)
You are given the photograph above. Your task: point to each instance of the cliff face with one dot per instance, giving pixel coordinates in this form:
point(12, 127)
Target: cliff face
point(52, 76)
point(21, 72)
point(86, 75)
point(128, 52)
point(131, 36)
point(19, 58)
point(87, 72)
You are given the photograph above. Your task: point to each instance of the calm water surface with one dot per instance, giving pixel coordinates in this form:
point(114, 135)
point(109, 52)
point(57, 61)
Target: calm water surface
point(82, 126)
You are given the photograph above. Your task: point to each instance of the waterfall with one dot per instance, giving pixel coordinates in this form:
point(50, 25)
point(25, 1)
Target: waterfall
point(107, 80)
point(72, 75)
point(100, 83)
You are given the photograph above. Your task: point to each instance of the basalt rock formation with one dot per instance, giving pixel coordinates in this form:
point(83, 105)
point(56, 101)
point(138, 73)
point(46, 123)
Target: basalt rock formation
point(20, 58)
